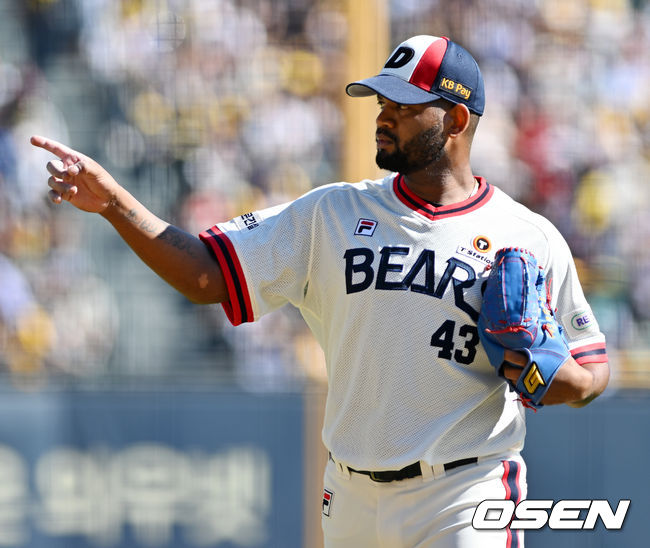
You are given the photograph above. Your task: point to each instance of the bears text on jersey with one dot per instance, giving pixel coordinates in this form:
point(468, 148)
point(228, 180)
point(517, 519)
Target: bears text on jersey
point(361, 272)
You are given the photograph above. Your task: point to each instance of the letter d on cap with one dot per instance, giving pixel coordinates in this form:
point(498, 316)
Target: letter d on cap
point(400, 58)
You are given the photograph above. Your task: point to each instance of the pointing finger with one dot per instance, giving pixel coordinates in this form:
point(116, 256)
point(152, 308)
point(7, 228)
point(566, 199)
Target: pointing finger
point(59, 149)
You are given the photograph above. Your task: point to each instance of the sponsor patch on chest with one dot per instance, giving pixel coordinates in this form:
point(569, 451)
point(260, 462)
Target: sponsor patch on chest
point(472, 253)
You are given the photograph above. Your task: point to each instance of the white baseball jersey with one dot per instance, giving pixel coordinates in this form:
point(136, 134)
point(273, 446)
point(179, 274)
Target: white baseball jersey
point(390, 285)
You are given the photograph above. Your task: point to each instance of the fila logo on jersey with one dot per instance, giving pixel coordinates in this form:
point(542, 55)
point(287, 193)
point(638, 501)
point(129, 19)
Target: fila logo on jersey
point(327, 502)
point(365, 227)
point(533, 379)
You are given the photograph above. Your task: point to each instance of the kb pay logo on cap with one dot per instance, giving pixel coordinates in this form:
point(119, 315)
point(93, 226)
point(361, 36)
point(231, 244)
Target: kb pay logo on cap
point(456, 88)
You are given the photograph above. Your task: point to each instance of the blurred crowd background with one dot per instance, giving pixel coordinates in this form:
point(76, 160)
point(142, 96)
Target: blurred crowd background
point(206, 109)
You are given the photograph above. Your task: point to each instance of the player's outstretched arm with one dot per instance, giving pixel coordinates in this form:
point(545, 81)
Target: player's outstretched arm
point(179, 258)
point(574, 384)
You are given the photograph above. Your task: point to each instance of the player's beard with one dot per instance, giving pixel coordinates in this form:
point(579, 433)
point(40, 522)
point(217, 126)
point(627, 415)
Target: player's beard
point(423, 150)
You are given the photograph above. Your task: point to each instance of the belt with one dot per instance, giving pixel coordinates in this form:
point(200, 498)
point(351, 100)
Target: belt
point(410, 471)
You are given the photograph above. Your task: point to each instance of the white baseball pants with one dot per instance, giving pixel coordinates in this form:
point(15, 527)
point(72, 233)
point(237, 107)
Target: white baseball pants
point(434, 510)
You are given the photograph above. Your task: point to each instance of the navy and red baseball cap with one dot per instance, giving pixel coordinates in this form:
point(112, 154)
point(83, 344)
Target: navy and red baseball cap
point(423, 69)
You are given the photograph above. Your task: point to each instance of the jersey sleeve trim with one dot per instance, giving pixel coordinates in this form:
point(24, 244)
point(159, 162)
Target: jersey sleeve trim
point(591, 353)
point(238, 308)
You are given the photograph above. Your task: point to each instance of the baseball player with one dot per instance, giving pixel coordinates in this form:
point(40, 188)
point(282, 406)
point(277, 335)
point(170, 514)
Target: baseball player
point(388, 274)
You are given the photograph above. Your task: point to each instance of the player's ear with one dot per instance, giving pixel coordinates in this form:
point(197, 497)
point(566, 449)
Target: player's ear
point(457, 120)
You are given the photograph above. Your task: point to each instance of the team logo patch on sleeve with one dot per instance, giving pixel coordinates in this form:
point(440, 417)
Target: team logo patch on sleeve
point(365, 227)
point(328, 496)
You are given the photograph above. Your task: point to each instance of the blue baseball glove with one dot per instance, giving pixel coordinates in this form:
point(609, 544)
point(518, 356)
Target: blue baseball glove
point(516, 315)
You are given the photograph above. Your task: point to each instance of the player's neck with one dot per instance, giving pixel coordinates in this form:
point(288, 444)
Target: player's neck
point(442, 188)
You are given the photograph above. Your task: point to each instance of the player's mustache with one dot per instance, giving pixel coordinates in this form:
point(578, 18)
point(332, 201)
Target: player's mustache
point(386, 133)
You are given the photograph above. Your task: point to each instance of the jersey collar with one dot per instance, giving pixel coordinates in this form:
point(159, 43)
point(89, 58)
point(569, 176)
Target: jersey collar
point(434, 213)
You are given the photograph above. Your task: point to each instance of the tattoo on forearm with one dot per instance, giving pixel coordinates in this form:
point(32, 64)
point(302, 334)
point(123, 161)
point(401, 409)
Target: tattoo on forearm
point(147, 226)
point(143, 224)
point(175, 237)
point(178, 239)
point(132, 216)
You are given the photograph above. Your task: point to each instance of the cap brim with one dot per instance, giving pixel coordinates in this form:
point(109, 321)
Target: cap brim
point(393, 88)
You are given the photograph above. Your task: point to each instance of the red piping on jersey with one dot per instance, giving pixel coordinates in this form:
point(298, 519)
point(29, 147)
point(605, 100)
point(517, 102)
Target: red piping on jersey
point(590, 353)
point(510, 480)
point(435, 213)
point(238, 308)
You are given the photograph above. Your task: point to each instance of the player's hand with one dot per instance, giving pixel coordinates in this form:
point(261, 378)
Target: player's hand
point(515, 363)
point(575, 385)
point(76, 178)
